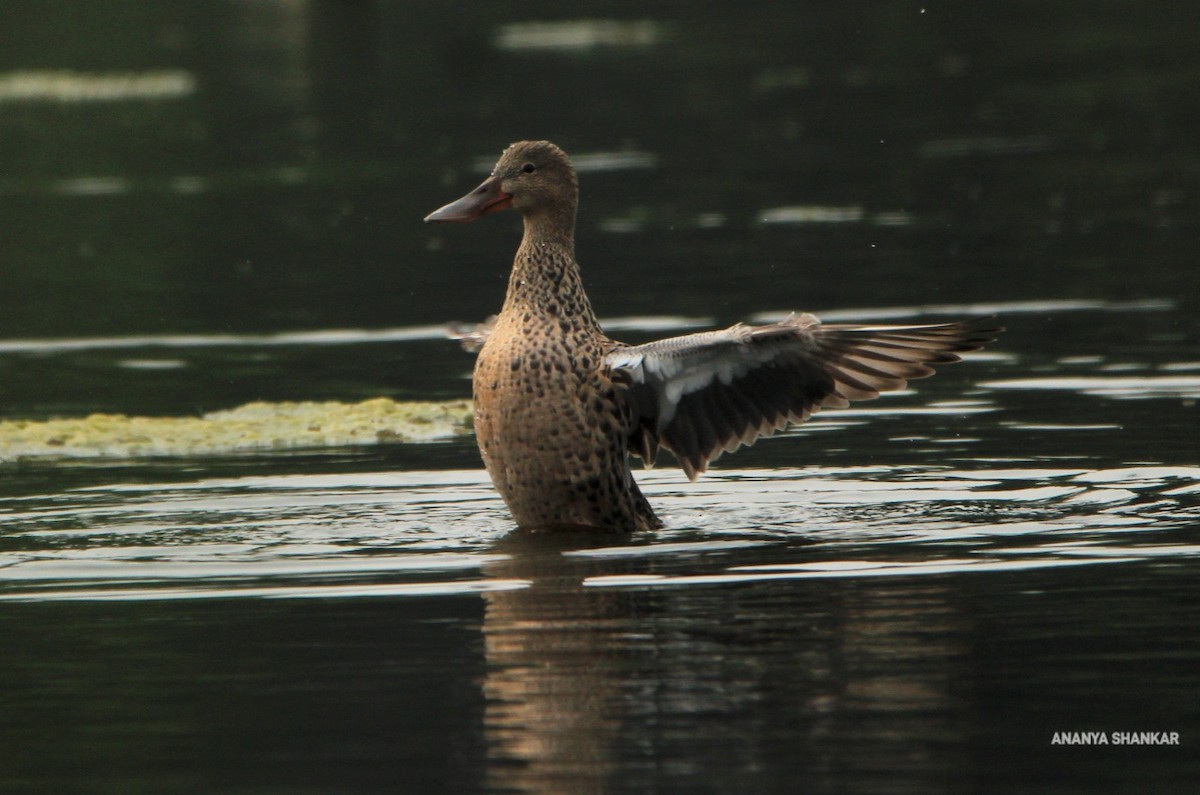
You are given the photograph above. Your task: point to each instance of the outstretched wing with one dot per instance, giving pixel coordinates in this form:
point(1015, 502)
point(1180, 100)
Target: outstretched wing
point(705, 394)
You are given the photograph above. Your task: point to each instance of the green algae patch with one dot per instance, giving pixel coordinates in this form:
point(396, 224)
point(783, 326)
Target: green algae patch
point(252, 427)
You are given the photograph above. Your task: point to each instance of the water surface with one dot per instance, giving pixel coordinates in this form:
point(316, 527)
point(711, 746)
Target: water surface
point(214, 204)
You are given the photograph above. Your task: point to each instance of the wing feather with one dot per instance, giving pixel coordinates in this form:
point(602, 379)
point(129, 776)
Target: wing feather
point(705, 394)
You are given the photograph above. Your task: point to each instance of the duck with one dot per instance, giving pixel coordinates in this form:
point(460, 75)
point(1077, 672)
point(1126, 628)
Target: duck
point(560, 409)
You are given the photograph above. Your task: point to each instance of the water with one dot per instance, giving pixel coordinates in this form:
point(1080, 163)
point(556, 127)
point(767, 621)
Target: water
point(220, 203)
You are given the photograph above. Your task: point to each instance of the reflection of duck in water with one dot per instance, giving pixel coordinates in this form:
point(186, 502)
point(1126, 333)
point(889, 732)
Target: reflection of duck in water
point(590, 688)
point(559, 405)
point(558, 663)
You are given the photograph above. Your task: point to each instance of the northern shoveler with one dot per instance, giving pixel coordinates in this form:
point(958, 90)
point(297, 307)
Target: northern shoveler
point(559, 407)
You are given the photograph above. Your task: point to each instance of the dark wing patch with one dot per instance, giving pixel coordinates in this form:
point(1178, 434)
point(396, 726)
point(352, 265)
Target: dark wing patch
point(705, 394)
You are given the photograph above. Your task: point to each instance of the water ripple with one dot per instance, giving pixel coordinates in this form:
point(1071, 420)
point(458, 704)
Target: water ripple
point(399, 534)
point(1140, 387)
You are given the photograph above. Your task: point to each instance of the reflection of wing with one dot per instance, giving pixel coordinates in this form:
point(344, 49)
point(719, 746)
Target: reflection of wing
point(705, 394)
point(472, 335)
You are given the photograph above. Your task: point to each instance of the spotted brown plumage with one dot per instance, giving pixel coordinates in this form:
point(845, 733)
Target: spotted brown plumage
point(559, 406)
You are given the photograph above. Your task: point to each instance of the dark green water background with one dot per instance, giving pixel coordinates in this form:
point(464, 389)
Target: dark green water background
point(983, 153)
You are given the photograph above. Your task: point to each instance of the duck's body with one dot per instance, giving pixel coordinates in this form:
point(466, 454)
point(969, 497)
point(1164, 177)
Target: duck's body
point(559, 406)
point(553, 435)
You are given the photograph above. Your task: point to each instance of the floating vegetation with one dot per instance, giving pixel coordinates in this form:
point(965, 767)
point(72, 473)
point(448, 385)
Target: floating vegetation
point(254, 426)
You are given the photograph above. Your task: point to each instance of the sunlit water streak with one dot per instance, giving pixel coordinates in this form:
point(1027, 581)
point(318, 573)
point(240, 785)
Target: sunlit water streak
point(436, 533)
point(68, 87)
point(575, 35)
point(871, 314)
point(1141, 387)
point(311, 338)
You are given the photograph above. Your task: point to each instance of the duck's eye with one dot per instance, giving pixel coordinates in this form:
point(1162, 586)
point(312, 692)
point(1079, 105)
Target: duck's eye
point(529, 168)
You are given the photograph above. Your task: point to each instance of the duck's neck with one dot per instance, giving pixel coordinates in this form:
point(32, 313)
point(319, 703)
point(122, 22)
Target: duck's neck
point(545, 277)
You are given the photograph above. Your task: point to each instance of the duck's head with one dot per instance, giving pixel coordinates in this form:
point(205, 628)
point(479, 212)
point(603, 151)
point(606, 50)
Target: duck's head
point(533, 177)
